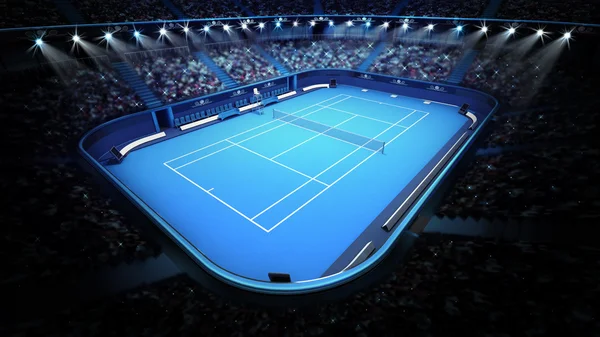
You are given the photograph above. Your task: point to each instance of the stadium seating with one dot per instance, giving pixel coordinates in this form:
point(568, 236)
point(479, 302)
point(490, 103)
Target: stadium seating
point(242, 63)
point(100, 11)
point(383, 7)
point(417, 61)
point(565, 11)
point(448, 9)
point(209, 9)
point(175, 77)
point(299, 55)
point(29, 13)
point(279, 7)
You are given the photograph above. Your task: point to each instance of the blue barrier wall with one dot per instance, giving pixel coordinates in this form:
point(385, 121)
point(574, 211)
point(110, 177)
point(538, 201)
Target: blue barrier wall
point(118, 132)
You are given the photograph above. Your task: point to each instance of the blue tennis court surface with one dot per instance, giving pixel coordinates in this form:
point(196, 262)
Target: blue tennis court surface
point(256, 194)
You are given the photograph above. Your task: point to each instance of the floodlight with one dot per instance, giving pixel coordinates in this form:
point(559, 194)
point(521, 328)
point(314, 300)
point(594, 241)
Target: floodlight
point(349, 23)
point(404, 25)
point(368, 24)
point(186, 30)
point(484, 29)
point(295, 23)
point(226, 28)
point(244, 25)
point(261, 25)
point(162, 31)
point(330, 23)
point(76, 38)
point(39, 42)
point(459, 28)
point(313, 23)
point(430, 26)
point(277, 24)
point(567, 35)
point(540, 32)
point(512, 30)
point(206, 28)
point(108, 36)
point(136, 34)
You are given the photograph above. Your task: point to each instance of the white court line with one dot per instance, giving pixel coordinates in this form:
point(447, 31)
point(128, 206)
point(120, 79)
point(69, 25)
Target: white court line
point(217, 198)
point(422, 181)
point(256, 127)
point(278, 163)
point(212, 188)
point(313, 137)
point(397, 106)
point(247, 139)
point(375, 119)
point(345, 174)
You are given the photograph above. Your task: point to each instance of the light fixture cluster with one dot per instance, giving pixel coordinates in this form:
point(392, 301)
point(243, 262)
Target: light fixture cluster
point(510, 30)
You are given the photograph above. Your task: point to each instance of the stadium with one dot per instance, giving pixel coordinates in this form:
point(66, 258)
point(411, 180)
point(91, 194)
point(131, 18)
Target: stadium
point(249, 168)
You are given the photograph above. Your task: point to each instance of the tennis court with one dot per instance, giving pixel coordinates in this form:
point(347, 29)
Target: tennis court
point(292, 189)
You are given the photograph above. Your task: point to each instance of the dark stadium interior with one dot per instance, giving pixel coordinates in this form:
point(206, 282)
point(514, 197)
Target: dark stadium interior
point(507, 246)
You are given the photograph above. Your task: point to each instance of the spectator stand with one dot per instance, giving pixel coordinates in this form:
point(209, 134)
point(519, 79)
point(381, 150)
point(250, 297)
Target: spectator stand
point(174, 74)
point(322, 51)
point(411, 58)
point(241, 62)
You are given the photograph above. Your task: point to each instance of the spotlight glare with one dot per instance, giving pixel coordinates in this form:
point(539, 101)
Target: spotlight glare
point(295, 23)
point(349, 23)
point(368, 24)
point(76, 38)
point(226, 28)
point(261, 25)
point(39, 42)
point(136, 34)
point(459, 28)
point(206, 28)
point(244, 26)
point(278, 24)
point(567, 35)
point(404, 25)
point(512, 30)
point(108, 36)
point(430, 26)
point(540, 32)
point(162, 31)
point(312, 23)
point(331, 23)
point(186, 30)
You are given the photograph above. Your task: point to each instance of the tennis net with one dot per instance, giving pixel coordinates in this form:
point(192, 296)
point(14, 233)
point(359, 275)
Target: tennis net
point(362, 141)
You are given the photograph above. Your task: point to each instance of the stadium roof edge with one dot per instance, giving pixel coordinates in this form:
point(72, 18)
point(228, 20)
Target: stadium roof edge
point(478, 20)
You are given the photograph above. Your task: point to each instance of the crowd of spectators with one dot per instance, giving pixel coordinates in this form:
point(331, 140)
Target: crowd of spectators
point(101, 11)
point(554, 124)
point(299, 55)
point(279, 7)
point(209, 9)
point(174, 77)
point(417, 61)
point(446, 288)
point(57, 223)
point(511, 75)
point(359, 7)
point(554, 10)
point(242, 63)
point(29, 13)
point(561, 180)
point(445, 9)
